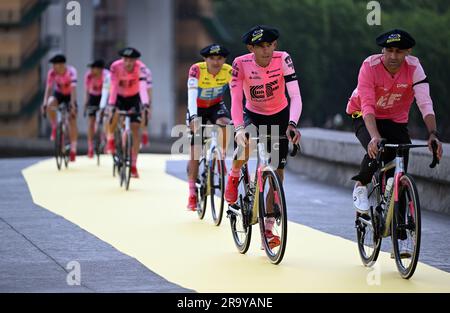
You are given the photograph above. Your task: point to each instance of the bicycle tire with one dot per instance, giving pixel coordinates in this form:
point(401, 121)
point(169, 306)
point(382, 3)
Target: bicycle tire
point(58, 147)
point(66, 145)
point(217, 163)
point(411, 205)
point(201, 183)
point(128, 159)
point(369, 257)
point(242, 204)
point(275, 254)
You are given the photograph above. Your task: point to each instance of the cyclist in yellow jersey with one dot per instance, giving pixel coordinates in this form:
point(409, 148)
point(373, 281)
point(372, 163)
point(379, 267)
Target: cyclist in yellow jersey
point(207, 83)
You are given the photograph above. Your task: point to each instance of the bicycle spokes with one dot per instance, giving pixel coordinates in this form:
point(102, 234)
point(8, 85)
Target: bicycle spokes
point(406, 228)
point(368, 229)
point(273, 219)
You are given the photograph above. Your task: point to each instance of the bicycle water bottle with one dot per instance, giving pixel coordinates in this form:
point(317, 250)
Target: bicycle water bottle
point(387, 191)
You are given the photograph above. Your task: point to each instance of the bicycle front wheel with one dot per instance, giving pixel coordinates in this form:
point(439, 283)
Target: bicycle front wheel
point(272, 216)
point(128, 150)
point(59, 144)
point(217, 186)
point(241, 227)
point(406, 227)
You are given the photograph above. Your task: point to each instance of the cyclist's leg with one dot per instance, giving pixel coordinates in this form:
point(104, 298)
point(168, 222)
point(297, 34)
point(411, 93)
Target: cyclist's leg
point(94, 101)
point(395, 133)
point(73, 128)
point(52, 105)
point(193, 166)
point(111, 124)
point(366, 171)
point(231, 189)
point(278, 152)
point(222, 117)
point(129, 103)
point(144, 130)
point(135, 125)
point(367, 167)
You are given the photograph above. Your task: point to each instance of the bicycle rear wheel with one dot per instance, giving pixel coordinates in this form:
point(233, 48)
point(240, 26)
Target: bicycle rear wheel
point(368, 238)
point(217, 186)
point(240, 223)
point(272, 204)
point(118, 156)
point(201, 185)
point(406, 227)
point(59, 144)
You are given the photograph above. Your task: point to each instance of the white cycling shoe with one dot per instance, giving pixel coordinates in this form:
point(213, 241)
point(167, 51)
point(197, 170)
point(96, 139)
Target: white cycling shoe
point(360, 199)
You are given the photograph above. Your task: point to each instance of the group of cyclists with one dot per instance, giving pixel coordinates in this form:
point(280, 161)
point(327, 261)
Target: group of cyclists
point(258, 81)
point(126, 85)
point(379, 106)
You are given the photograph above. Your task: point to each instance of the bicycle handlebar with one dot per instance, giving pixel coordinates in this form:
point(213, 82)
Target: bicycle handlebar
point(383, 144)
point(434, 147)
point(295, 149)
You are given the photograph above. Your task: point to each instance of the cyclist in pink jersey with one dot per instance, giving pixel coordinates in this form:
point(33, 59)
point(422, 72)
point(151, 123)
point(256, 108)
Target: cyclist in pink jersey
point(93, 83)
point(380, 105)
point(62, 80)
point(128, 91)
point(263, 76)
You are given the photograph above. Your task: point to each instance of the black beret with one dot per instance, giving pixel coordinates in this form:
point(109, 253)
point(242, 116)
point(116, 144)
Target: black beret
point(396, 38)
point(260, 33)
point(129, 52)
point(214, 49)
point(59, 58)
point(97, 63)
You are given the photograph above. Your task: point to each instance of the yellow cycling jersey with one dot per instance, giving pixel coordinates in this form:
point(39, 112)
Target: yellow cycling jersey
point(210, 88)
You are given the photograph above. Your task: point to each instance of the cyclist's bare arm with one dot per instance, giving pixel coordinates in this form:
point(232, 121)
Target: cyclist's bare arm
point(48, 89)
point(430, 122)
point(73, 96)
point(371, 125)
point(86, 100)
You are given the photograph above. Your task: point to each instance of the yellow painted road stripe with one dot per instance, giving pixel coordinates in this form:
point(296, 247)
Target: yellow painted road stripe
point(150, 223)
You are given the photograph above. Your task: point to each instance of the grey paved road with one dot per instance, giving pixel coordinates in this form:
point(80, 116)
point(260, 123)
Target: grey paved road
point(36, 246)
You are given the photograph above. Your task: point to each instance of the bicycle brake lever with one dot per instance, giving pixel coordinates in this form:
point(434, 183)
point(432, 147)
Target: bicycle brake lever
point(295, 150)
point(435, 161)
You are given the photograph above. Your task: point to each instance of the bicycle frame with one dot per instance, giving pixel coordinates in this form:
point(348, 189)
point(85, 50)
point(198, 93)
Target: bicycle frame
point(399, 172)
point(262, 164)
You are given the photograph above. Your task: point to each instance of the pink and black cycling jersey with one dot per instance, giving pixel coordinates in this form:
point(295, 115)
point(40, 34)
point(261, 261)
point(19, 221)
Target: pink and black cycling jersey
point(127, 84)
point(62, 83)
point(390, 96)
point(94, 84)
point(264, 87)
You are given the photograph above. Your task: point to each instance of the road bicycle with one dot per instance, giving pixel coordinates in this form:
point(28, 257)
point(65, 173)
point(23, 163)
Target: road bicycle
point(259, 199)
point(394, 211)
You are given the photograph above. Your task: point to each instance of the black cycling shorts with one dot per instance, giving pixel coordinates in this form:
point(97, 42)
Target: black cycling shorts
point(93, 104)
point(126, 103)
point(281, 119)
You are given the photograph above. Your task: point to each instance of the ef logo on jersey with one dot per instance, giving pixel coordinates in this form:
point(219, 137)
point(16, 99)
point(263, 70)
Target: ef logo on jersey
point(211, 93)
point(387, 102)
point(264, 91)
